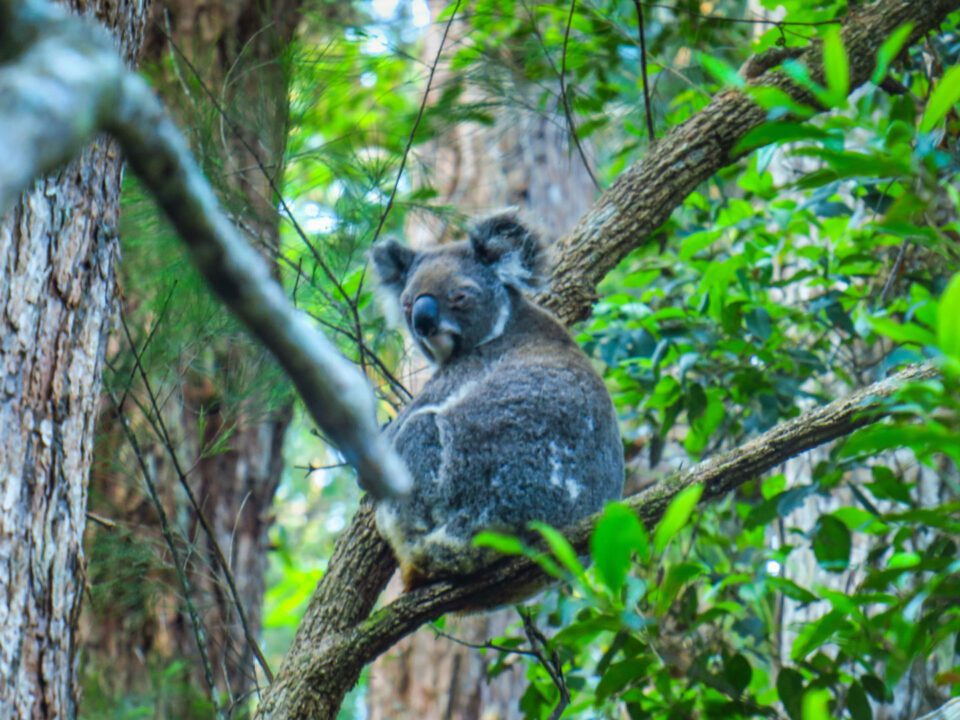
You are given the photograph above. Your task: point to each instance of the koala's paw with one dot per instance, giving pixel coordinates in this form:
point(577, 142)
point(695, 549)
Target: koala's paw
point(412, 577)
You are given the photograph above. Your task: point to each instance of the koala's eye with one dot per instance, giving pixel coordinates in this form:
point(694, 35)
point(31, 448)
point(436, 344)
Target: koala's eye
point(462, 294)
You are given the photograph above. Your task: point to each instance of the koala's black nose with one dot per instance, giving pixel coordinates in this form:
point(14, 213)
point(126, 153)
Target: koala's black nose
point(426, 315)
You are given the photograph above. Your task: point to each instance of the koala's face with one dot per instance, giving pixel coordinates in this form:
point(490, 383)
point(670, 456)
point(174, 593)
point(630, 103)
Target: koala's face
point(451, 303)
point(455, 298)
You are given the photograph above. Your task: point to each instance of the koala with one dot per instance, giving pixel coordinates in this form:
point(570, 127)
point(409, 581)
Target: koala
point(514, 426)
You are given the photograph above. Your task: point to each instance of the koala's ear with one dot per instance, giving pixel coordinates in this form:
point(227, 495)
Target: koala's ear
point(515, 251)
point(392, 262)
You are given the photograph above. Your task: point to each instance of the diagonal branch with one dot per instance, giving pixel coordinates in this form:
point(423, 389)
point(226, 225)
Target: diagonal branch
point(336, 638)
point(718, 476)
point(642, 198)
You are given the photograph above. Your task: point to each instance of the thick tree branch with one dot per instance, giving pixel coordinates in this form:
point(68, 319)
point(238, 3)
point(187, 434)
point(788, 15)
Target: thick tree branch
point(329, 652)
point(642, 198)
point(64, 84)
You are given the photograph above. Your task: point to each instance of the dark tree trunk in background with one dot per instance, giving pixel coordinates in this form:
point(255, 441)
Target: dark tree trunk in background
point(58, 252)
point(524, 160)
point(234, 51)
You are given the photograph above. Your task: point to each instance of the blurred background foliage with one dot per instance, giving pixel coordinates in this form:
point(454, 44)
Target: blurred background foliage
point(814, 265)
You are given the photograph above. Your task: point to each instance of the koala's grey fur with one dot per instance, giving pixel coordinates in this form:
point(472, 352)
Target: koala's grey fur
point(514, 426)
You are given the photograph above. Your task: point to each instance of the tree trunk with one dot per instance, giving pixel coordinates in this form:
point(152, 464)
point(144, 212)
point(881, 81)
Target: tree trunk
point(232, 51)
point(58, 250)
point(524, 160)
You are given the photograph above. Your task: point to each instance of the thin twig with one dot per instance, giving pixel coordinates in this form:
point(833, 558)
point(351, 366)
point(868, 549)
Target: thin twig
point(648, 110)
point(484, 646)
point(208, 531)
point(413, 132)
point(551, 664)
point(198, 629)
point(565, 97)
point(894, 272)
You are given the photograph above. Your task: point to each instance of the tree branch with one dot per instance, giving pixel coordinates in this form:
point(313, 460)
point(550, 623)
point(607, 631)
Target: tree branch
point(337, 652)
point(66, 84)
point(642, 198)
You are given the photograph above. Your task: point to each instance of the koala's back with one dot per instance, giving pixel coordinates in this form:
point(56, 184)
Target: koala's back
point(521, 430)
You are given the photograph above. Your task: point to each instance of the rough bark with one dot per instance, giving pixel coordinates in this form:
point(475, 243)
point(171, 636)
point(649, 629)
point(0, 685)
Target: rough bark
point(234, 486)
point(58, 250)
point(320, 668)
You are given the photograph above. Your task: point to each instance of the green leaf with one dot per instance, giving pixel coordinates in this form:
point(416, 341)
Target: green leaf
point(561, 548)
point(831, 544)
point(506, 544)
point(948, 319)
point(725, 74)
point(836, 66)
point(620, 675)
point(814, 635)
point(901, 560)
point(791, 589)
point(858, 704)
point(874, 685)
point(738, 672)
point(676, 516)
point(779, 132)
point(889, 50)
point(902, 332)
point(618, 534)
point(816, 704)
point(673, 580)
point(790, 690)
point(945, 95)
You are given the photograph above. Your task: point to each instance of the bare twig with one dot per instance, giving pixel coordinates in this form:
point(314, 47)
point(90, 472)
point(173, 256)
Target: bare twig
point(565, 98)
point(648, 110)
point(161, 430)
point(549, 660)
point(199, 632)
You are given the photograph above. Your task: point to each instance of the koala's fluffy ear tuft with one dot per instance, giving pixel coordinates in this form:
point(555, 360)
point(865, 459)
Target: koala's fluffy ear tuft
point(511, 248)
point(392, 262)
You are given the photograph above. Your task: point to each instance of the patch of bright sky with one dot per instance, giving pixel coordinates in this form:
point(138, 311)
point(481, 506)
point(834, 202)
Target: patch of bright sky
point(387, 10)
point(317, 219)
point(415, 17)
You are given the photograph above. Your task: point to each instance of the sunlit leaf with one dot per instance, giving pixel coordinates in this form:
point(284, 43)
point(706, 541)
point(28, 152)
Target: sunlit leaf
point(506, 544)
point(619, 534)
point(948, 319)
point(561, 548)
point(816, 705)
point(946, 93)
point(889, 50)
point(676, 516)
point(836, 66)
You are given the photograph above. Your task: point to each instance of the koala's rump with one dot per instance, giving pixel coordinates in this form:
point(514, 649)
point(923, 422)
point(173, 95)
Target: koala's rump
point(516, 443)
